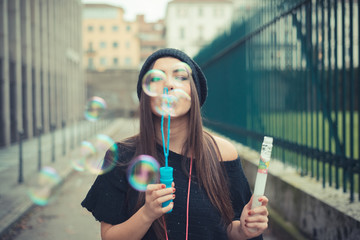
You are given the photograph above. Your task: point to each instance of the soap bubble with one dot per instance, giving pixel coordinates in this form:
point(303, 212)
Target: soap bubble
point(180, 72)
point(94, 154)
point(78, 158)
point(143, 170)
point(95, 108)
point(41, 190)
point(153, 82)
point(175, 103)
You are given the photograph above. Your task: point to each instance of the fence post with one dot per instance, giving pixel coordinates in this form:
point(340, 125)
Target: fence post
point(39, 149)
point(21, 172)
point(64, 138)
point(52, 127)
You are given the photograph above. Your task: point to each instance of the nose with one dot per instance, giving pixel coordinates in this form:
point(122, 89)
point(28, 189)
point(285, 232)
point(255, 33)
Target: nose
point(170, 83)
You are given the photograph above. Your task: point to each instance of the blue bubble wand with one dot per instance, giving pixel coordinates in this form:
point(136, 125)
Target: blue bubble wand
point(166, 173)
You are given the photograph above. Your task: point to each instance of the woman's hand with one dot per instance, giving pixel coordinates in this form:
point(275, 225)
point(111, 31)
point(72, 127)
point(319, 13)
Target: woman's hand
point(155, 195)
point(254, 222)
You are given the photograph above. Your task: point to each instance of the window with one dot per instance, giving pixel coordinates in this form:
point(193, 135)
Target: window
point(218, 12)
point(182, 33)
point(90, 45)
point(201, 12)
point(102, 44)
point(101, 28)
point(115, 28)
point(103, 61)
point(128, 45)
point(200, 32)
point(90, 28)
point(115, 44)
point(115, 61)
point(128, 28)
point(182, 12)
point(127, 61)
point(90, 63)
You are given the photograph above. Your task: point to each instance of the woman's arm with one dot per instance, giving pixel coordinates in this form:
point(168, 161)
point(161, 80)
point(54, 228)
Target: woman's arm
point(254, 219)
point(138, 224)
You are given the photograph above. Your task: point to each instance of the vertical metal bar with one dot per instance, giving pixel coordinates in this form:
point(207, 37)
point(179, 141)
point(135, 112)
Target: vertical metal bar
point(323, 89)
point(312, 94)
point(305, 91)
point(283, 110)
point(296, 103)
point(330, 104)
point(316, 92)
point(290, 114)
point(358, 112)
point(336, 87)
point(308, 82)
point(344, 95)
point(351, 102)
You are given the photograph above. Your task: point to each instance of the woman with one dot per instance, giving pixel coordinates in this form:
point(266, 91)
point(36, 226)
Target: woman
point(217, 206)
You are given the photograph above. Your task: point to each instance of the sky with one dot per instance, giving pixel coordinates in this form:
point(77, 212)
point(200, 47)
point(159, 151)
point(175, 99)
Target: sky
point(152, 9)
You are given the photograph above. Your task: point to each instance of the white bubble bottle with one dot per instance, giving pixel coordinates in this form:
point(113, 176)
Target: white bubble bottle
point(262, 172)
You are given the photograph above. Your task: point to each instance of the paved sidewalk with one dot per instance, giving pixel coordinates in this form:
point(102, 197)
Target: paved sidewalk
point(14, 200)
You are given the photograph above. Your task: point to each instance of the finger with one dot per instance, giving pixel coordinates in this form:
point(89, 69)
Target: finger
point(258, 226)
point(173, 184)
point(154, 187)
point(256, 218)
point(264, 200)
point(262, 210)
point(162, 192)
point(168, 207)
point(165, 198)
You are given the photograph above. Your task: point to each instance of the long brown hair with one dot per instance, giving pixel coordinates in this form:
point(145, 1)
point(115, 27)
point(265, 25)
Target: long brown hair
point(200, 144)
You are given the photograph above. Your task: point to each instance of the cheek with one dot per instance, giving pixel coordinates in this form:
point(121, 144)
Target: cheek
point(152, 106)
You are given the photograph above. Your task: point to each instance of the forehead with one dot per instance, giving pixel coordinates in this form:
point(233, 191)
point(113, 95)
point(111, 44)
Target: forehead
point(165, 63)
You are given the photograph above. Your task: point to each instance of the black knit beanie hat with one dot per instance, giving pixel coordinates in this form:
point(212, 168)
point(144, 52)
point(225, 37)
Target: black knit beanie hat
point(197, 74)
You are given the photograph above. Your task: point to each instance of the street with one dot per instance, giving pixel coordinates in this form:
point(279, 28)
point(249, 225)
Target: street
point(64, 218)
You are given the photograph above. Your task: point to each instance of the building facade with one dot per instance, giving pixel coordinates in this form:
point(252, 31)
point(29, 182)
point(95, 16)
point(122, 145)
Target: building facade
point(191, 24)
point(151, 35)
point(109, 42)
point(41, 83)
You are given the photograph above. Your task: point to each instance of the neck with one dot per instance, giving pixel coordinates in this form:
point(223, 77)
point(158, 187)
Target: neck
point(178, 132)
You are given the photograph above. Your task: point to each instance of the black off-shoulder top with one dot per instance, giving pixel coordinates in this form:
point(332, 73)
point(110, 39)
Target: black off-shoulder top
point(112, 200)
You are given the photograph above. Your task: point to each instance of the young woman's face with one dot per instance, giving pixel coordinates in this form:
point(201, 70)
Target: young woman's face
point(177, 83)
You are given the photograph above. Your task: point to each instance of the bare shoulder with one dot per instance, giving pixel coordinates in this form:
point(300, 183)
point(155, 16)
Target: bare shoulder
point(227, 149)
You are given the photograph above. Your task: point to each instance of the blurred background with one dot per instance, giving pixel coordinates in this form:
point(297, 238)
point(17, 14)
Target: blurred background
point(288, 69)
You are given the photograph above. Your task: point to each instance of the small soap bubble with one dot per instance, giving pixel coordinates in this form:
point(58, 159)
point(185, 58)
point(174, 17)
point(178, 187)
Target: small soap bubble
point(143, 170)
point(175, 103)
point(79, 158)
point(94, 155)
point(41, 190)
point(153, 82)
point(95, 108)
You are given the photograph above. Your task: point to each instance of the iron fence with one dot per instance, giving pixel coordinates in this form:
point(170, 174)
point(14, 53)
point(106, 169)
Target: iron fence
point(291, 71)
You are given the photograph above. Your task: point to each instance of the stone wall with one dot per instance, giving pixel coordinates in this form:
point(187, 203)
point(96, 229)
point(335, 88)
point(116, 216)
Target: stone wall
point(117, 88)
